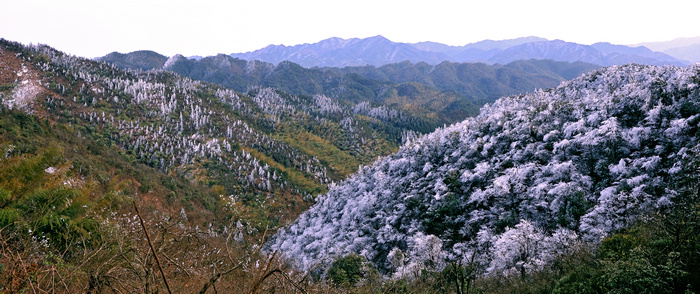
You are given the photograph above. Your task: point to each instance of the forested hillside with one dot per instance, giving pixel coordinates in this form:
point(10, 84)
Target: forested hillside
point(117, 180)
point(436, 94)
point(531, 179)
point(180, 125)
point(82, 141)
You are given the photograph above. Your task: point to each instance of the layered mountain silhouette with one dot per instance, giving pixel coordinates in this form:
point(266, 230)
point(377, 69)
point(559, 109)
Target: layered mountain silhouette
point(681, 48)
point(377, 51)
point(444, 93)
point(337, 52)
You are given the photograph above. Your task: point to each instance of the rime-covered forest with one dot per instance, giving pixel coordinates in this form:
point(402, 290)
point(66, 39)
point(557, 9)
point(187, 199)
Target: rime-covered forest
point(531, 179)
point(115, 180)
point(435, 94)
point(82, 140)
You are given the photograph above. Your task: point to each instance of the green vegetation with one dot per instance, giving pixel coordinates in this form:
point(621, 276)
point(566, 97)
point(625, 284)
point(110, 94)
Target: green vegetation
point(214, 172)
point(139, 60)
point(433, 94)
point(7, 87)
point(347, 271)
point(657, 255)
point(73, 169)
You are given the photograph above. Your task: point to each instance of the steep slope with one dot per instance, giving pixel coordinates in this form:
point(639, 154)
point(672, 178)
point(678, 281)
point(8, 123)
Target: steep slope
point(66, 193)
point(83, 140)
point(263, 146)
point(541, 171)
point(83, 144)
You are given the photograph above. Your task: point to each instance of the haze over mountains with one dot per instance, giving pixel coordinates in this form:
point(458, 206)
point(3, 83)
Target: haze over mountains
point(377, 51)
point(681, 48)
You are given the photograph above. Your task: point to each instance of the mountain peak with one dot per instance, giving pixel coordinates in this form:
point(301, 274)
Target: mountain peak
point(378, 38)
point(172, 60)
point(142, 59)
point(378, 50)
point(339, 52)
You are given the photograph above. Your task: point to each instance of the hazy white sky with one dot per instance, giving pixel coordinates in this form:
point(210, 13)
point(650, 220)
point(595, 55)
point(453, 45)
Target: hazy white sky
point(94, 28)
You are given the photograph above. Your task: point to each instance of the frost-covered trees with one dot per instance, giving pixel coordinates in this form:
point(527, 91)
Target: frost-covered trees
point(425, 253)
point(538, 171)
point(181, 125)
point(527, 248)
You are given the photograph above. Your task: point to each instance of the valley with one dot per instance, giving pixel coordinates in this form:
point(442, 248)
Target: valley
point(136, 172)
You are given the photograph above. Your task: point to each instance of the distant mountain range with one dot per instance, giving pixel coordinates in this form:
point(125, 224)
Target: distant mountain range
point(440, 94)
point(681, 48)
point(438, 82)
point(378, 51)
point(337, 52)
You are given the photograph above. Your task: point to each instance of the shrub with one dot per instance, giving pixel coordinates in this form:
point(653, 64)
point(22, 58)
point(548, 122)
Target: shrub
point(350, 270)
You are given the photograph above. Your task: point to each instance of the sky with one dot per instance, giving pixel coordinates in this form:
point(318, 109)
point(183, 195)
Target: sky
point(93, 28)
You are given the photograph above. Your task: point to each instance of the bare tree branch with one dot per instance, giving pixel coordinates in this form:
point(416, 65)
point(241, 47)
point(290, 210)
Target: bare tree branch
point(143, 225)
